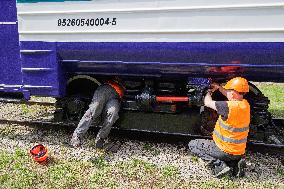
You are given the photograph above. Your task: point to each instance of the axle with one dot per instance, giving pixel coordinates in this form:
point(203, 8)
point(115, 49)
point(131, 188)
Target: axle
point(172, 99)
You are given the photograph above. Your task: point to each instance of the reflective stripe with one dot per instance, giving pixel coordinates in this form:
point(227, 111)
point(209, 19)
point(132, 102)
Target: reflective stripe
point(225, 139)
point(224, 126)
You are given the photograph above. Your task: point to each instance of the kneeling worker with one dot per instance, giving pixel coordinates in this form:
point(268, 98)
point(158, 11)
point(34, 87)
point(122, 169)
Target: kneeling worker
point(105, 102)
point(230, 132)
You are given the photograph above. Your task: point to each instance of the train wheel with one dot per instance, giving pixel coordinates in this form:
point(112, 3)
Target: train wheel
point(261, 125)
point(208, 120)
point(210, 116)
point(80, 90)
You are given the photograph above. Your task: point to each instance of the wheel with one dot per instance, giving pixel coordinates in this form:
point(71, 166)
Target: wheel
point(210, 116)
point(208, 121)
point(80, 90)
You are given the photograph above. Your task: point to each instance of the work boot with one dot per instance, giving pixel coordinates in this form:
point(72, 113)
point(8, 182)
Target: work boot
point(99, 143)
point(112, 147)
point(239, 168)
point(75, 141)
point(221, 169)
point(210, 165)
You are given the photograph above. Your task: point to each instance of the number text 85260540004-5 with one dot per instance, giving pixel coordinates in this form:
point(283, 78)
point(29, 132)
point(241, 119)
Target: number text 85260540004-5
point(67, 22)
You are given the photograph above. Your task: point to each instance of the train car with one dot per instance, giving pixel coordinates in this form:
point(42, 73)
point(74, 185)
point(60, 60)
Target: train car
point(170, 49)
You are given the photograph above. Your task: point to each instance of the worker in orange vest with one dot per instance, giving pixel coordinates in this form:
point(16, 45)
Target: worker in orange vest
point(225, 151)
point(105, 102)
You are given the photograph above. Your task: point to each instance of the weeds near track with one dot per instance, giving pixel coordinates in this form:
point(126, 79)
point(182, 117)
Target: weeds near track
point(17, 170)
point(275, 93)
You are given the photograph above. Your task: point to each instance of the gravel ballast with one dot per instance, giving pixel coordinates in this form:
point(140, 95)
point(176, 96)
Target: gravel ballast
point(259, 166)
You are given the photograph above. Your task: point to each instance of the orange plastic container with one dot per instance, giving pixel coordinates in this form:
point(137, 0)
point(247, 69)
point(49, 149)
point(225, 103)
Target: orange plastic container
point(39, 153)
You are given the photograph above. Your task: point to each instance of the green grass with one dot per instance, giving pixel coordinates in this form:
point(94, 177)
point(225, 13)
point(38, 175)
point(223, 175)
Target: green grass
point(275, 93)
point(280, 171)
point(170, 171)
point(194, 158)
point(25, 109)
point(148, 147)
point(8, 131)
point(17, 170)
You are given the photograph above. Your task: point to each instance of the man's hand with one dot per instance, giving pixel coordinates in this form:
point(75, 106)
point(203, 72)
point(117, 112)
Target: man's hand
point(214, 87)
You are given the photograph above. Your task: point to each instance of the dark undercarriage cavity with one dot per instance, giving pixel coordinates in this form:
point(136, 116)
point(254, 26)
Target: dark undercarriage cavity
point(166, 105)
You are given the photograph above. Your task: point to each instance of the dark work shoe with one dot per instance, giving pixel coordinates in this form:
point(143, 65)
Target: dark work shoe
point(100, 143)
point(210, 165)
point(75, 141)
point(220, 170)
point(239, 169)
point(112, 147)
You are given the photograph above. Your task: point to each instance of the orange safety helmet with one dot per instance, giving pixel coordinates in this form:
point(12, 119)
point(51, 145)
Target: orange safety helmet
point(238, 84)
point(39, 153)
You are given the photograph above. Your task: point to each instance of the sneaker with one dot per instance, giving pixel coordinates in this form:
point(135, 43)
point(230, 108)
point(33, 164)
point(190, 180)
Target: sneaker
point(239, 169)
point(75, 141)
point(221, 170)
point(100, 143)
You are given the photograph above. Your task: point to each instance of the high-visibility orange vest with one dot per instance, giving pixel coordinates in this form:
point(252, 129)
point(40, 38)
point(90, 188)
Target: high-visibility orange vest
point(231, 135)
point(117, 88)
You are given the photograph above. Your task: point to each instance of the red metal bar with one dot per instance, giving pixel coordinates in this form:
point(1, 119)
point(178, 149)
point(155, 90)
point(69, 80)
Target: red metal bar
point(172, 98)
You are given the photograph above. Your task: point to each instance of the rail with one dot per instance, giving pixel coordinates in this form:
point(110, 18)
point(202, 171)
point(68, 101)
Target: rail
point(156, 136)
point(22, 101)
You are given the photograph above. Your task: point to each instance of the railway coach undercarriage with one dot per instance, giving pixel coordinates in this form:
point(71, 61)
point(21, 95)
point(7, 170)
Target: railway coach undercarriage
point(173, 106)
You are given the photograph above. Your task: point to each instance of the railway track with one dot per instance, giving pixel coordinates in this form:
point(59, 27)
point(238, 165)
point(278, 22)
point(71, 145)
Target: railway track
point(150, 136)
point(30, 102)
point(144, 135)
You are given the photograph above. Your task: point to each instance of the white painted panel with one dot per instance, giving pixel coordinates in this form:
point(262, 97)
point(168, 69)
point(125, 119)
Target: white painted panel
point(136, 4)
point(152, 21)
point(120, 37)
